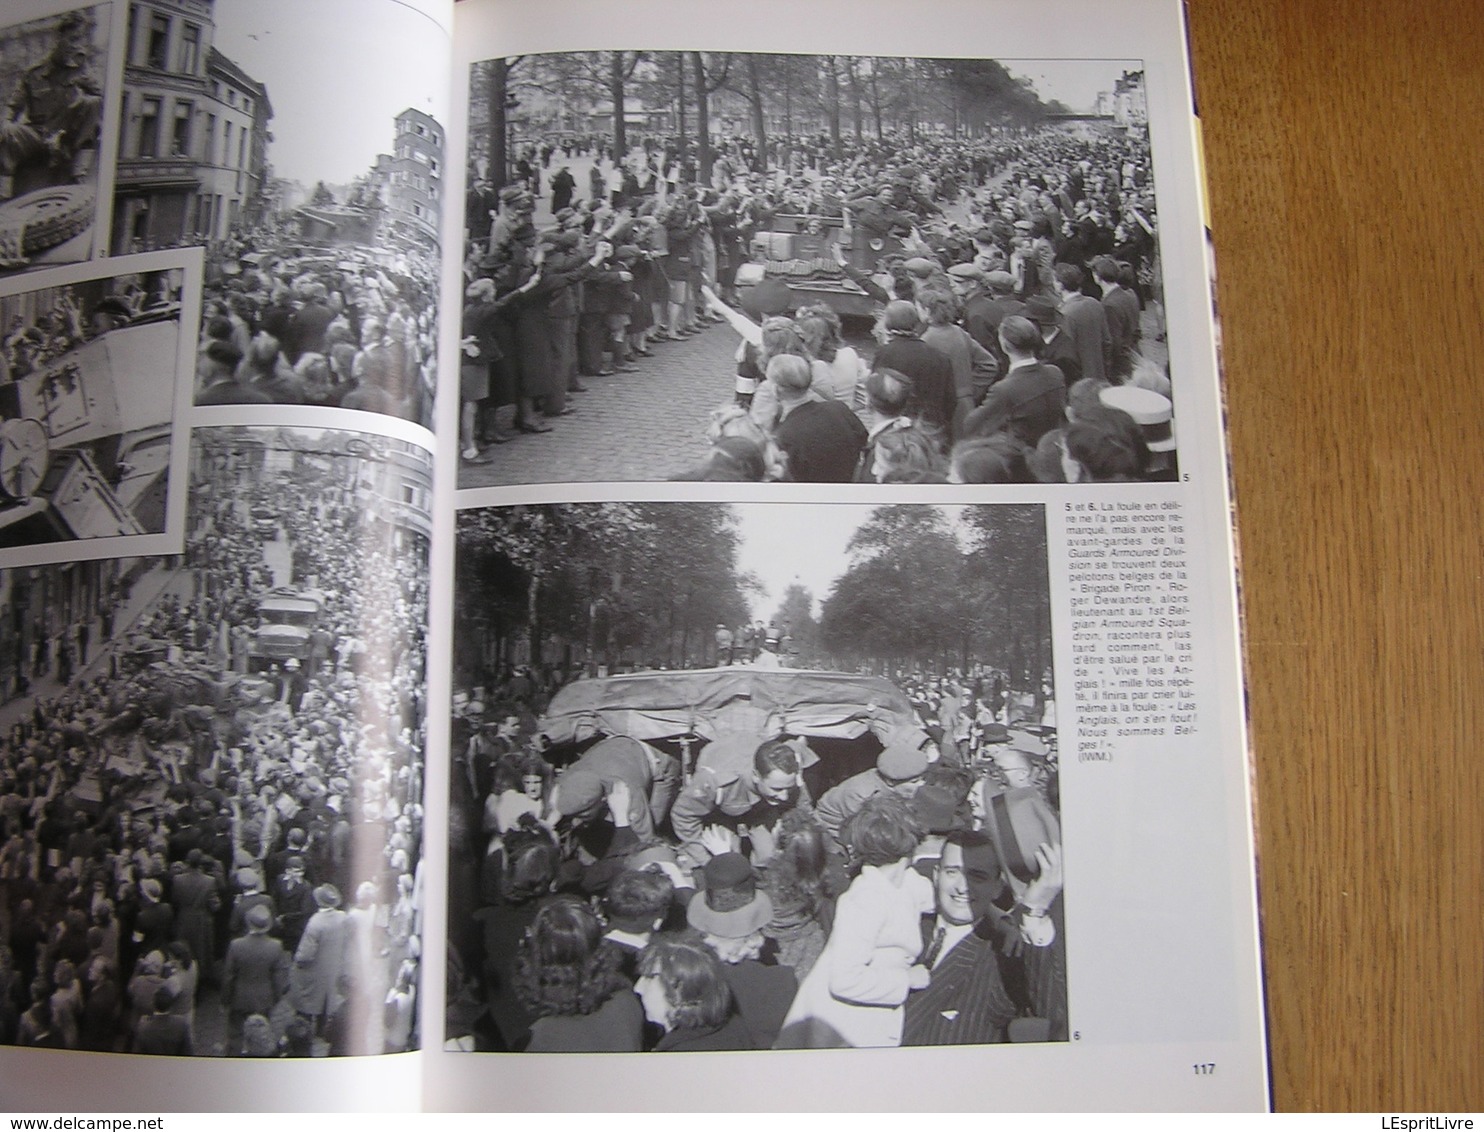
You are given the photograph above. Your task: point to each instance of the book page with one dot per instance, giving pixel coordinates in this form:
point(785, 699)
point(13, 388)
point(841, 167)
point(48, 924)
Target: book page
point(219, 242)
point(841, 679)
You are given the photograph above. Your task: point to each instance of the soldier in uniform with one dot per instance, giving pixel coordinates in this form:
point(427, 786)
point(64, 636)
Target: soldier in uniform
point(742, 786)
point(50, 134)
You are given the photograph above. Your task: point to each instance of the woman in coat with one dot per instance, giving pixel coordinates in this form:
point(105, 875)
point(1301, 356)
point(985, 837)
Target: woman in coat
point(854, 994)
point(569, 977)
point(684, 991)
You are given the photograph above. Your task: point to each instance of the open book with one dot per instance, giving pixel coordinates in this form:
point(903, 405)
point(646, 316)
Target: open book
point(535, 538)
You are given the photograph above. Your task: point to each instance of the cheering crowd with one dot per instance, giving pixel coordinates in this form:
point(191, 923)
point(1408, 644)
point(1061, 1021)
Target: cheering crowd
point(603, 899)
point(328, 330)
point(1018, 304)
point(33, 343)
point(199, 860)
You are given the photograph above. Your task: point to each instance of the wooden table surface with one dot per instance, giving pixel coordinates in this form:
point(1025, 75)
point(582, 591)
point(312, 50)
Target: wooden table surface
point(1346, 173)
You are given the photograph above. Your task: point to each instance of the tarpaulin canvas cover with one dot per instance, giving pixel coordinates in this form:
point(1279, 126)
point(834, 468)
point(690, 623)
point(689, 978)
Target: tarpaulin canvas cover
point(739, 699)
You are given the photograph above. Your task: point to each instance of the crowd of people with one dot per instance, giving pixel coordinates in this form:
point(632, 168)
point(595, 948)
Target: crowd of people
point(202, 853)
point(1017, 287)
point(326, 329)
point(608, 898)
point(33, 341)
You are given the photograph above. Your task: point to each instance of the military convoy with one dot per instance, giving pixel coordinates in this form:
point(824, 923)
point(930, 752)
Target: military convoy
point(288, 620)
point(798, 251)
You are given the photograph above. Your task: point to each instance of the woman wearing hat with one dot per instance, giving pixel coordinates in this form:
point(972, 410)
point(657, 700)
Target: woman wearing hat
point(730, 915)
point(568, 977)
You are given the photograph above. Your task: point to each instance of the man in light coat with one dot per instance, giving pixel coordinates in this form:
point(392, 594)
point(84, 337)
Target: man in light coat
point(319, 961)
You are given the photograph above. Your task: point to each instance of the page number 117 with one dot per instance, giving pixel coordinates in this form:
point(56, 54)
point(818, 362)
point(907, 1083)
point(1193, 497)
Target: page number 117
point(1204, 1068)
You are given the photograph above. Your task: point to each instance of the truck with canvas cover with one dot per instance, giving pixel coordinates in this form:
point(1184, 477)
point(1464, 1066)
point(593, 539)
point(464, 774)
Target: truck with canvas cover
point(288, 621)
point(844, 718)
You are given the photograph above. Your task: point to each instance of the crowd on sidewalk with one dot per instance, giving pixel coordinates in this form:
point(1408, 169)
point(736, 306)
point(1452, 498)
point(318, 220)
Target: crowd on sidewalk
point(1018, 298)
point(204, 855)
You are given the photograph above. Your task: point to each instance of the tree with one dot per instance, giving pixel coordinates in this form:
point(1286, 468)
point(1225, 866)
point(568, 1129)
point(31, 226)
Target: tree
point(322, 197)
point(875, 87)
point(497, 99)
point(755, 107)
point(1007, 575)
point(599, 582)
point(543, 546)
point(853, 74)
point(830, 70)
point(488, 123)
point(898, 600)
point(621, 66)
point(584, 78)
point(917, 591)
point(691, 584)
point(796, 614)
point(981, 93)
point(705, 88)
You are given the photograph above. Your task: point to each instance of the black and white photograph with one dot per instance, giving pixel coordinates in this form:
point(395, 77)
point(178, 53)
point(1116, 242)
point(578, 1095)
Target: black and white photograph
point(94, 388)
point(211, 766)
point(753, 776)
point(52, 80)
point(300, 143)
point(816, 268)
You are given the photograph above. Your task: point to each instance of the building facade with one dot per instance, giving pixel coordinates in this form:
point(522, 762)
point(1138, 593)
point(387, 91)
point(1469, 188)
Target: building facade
point(41, 607)
point(1130, 106)
point(415, 177)
point(233, 149)
point(193, 141)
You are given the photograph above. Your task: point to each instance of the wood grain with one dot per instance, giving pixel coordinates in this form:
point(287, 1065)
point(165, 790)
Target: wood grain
point(1347, 187)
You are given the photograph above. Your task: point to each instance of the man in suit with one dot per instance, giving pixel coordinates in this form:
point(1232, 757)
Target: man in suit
point(320, 960)
point(163, 1033)
point(293, 897)
point(1084, 322)
point(154, 924)
point(479, 208)
point(306, 328)
point(1121, 308)
point(563, 186)
point(1030, 400)
point(823, 439)
point(1056, 349)
point(250, 894)
point(965, 1003)
point(196, 900)
point(987, 299)
point(255, 976)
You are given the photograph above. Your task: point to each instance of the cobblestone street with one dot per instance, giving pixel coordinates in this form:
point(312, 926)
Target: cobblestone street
point(651, 424)
point(646, 425)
